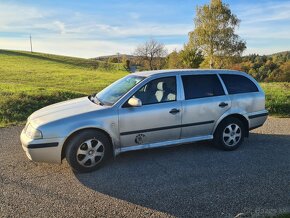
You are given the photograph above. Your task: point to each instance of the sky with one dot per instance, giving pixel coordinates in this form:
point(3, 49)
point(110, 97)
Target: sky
point(91, 28)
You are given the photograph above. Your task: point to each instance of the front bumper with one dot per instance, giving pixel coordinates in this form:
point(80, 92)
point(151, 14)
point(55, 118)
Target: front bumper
point(42, 150)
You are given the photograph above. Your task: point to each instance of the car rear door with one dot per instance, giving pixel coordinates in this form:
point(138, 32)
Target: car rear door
point(204, 103)
point(157, 120)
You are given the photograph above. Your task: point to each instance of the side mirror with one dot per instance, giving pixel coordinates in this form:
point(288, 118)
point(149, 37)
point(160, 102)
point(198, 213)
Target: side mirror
point(135, 102)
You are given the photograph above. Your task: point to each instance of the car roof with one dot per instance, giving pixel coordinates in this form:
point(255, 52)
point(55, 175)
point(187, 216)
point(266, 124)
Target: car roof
point(185, 71)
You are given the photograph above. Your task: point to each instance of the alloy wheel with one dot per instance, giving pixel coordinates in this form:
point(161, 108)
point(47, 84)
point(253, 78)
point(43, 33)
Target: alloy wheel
point(90, 153)
point(232, 134)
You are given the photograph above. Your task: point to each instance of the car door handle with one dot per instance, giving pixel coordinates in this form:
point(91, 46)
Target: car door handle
point(223, 104)
point(174, 111)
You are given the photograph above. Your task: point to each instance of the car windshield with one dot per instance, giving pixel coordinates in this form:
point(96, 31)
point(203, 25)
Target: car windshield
point(111, 94)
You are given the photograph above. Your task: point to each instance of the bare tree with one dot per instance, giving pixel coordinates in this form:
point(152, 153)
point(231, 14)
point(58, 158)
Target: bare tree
point(151, 53)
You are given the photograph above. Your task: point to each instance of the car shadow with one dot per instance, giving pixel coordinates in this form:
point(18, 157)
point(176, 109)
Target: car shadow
point(199, 179)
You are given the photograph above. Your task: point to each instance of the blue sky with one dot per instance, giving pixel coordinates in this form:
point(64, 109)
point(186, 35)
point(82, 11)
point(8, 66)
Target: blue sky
point(92, 28)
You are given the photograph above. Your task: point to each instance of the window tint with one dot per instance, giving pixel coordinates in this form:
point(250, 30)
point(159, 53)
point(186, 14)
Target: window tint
point(158, 91)
point(200, 86)
point(238, 84)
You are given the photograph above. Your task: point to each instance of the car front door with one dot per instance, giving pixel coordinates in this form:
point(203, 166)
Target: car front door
point(157, 120)
point(204, 103)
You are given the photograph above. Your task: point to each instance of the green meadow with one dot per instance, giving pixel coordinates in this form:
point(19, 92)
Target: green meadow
point(29, 81)
point(277, 98)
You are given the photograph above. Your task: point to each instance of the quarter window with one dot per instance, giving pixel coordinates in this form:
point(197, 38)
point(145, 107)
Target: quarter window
point(236, 84)
point(201, 86)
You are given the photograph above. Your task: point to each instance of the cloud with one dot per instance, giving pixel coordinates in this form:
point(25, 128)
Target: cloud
point(263, 32)
point(264, 12)
point(71, 47)
point(172, 47)
point(264, 50)
point(144, 29)
point(60, 26)
point(89, 34)
point(13, 14)
point(79, 25)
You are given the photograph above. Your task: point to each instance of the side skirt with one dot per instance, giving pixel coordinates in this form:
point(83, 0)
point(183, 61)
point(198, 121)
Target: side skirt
point(164, 144)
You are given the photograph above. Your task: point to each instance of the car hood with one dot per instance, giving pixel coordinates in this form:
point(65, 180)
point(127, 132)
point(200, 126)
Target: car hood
point(63, 110)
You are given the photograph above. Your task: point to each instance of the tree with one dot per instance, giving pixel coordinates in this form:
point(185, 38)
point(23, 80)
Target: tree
point(151, 54)
point(174, 60)
point(191, 57)
point(126, 62)
point(186, 58)
point(214, 34)
point(285, 69)
point(113, 60)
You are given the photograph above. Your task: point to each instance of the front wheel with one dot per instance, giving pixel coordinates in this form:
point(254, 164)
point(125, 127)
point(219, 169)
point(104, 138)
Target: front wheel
point(88, 150)
point(229, 134)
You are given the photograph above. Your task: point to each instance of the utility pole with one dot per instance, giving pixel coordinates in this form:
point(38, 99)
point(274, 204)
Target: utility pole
point(30, 44)
point(118, 55)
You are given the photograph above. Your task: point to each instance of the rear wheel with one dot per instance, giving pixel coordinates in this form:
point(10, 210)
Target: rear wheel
point(229, 134)
point(88, 150)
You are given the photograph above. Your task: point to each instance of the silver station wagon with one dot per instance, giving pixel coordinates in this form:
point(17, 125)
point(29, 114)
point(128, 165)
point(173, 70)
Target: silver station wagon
point(147, 110)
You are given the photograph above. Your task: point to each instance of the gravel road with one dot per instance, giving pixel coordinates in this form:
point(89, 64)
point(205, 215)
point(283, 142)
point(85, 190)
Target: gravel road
point(193, 180)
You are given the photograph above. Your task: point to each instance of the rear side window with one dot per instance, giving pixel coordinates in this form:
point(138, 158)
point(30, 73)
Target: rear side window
point(201, 86)
point(238, 84)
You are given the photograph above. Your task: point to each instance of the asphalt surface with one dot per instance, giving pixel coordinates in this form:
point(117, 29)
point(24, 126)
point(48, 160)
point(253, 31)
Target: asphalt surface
point(193, 180)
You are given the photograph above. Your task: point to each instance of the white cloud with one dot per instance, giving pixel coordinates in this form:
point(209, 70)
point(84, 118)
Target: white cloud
point(144, 29)
point(172, 47)
point(12, 14)
point(88, 35)
point(79, 36)
point(262, 32)
point(61, 26)
point(264, 50)
point(76, 47)
point(71, 47)
point(263, 12)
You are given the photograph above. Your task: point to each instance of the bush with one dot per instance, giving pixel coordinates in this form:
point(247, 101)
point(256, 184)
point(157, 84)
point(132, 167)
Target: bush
point(16, 107)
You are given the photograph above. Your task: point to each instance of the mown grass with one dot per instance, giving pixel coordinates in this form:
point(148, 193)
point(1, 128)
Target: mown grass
point(29, 81)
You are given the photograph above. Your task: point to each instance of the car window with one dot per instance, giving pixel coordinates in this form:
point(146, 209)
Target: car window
point(236, 84)
point(201, 86)
point(111, 94)
point(158, 91)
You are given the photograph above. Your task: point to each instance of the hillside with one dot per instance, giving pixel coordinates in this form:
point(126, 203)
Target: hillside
point(266, 68)
point(282, 53)
point(30, 81)
point(120, 56)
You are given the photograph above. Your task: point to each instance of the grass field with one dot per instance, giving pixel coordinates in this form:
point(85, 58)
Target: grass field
point(29, 81)
point(277, 98)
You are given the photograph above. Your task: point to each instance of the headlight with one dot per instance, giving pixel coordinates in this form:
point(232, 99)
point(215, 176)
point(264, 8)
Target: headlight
point(33, 133)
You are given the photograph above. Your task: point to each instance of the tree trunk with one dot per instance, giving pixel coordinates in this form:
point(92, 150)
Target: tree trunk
point(151, 63)
point(211, 63)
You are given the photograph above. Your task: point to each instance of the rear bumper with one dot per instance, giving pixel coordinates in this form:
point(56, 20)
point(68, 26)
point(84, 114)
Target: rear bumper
point(257, 119)
point(42, 150)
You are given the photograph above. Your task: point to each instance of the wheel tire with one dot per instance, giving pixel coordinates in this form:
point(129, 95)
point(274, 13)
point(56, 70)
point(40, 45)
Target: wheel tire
point(229, 134)
point(88, 150)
